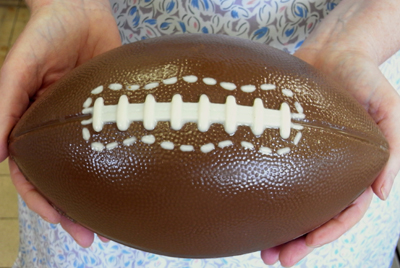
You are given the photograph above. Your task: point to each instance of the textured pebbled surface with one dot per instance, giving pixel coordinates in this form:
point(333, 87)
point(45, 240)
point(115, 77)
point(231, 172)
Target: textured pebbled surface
point(227, 201)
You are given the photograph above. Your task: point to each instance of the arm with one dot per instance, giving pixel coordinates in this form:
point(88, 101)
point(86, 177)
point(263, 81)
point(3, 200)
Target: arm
point(349, 45)
point(59, 36)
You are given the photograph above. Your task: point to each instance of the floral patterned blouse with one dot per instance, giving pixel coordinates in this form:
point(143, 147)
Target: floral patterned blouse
point(280, 23)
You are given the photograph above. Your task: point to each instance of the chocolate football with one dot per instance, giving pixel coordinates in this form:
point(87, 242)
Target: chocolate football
point(198, 146)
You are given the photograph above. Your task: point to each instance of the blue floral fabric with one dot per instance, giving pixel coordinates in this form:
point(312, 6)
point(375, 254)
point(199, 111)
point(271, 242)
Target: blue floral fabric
point(283, 24)
point(280, 23)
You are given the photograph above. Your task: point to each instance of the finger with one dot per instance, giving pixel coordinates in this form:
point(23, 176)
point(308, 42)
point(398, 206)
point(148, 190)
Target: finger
point(103, 239)
point(19, 79)
point(384, 182)
point(294, 251)
point(33, 199)
point(336, 227)
point(80, 234)
point(370, 87)
point(22, 75)
point(7, 122)
point(391, 129)
point(271, 255)
point(13, 103)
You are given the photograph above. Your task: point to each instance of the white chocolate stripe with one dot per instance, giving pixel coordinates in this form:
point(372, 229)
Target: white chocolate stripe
point(170, 81)
point(167, 145)
point(267, 87)
point(129, 141)
point(132, 87)
point(247, 145)
point(111, 145)
point(206, 148)
point(298, 107)
point(228, 85)
point(258, 114)
point(285, 121)
point(97, 146)
point(149, 113)
point(209, 81)
point(224, 144)
point(283, 151)
point(186, 148)
point(203, 113)
point(176, 115)
point(298, 116)
point(86, 134)
point(248, 88)
point(231, 109)
point(192, 79)
point(87, 103)
point(87, 122)
point(297, 138)
point(98, 120)
point(122, 113)
point(149, 139)
point(115, 86)
point(97, 90)
point(265, 150)
point(287, 92)
point(151, 85)
point(297, 126)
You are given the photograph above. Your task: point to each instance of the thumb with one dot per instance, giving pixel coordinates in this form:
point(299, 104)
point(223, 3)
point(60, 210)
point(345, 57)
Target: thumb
point(14, 99)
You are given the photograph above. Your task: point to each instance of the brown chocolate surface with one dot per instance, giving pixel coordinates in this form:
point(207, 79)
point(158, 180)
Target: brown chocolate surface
point(241, 192)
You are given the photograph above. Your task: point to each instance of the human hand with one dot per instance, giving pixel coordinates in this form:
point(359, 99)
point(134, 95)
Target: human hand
point(349, 52)
point(59, 36)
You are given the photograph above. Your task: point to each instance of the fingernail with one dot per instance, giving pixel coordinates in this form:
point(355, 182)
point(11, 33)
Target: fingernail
point(383, 192)
point(314, 246)
point(387, 185)
point(49, 221)
point(46, 219)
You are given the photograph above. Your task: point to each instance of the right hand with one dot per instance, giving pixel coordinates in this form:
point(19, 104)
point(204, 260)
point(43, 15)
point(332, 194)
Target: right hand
point(348, 46)
point(59, 36)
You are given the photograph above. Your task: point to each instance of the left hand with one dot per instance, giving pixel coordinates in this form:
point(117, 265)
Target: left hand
point(340, 49)
point(59, 36)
